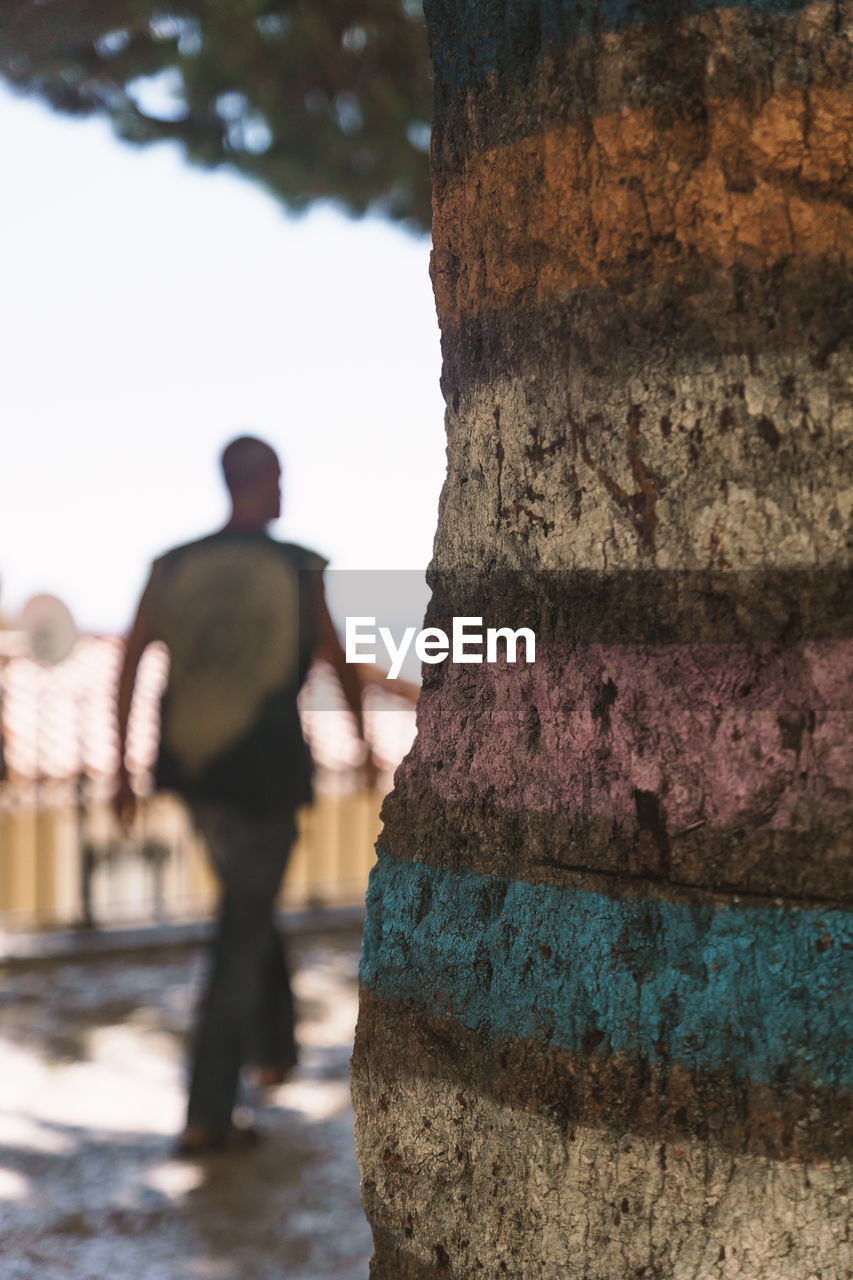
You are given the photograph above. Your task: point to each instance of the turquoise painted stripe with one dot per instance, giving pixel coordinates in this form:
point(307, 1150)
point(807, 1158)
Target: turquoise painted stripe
point(471, 40)
point(768, 990)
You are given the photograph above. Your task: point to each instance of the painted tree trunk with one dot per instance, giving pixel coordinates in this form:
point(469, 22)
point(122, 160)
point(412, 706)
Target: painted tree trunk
point(606, 1022)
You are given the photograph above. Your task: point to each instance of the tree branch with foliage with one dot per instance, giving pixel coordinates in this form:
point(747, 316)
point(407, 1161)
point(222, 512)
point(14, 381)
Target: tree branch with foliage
point(315, 99)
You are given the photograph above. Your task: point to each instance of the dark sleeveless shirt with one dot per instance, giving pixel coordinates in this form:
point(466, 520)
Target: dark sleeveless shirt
point(236, 611)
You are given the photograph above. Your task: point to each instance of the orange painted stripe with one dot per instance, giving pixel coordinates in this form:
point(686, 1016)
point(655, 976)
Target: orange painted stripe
point(574, 207)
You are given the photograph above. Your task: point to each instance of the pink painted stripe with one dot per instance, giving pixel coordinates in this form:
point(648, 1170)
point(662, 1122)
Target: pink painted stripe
point(721, 733)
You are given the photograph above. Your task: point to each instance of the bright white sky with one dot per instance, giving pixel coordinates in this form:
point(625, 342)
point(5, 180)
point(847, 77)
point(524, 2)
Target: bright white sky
point(150, 311)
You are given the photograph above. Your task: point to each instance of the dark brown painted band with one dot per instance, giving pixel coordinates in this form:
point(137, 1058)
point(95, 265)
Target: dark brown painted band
point(623, 327)
point(793, 868)
point(651, 606)
point(623, 62)
point(666, 66)
point(603, 1092)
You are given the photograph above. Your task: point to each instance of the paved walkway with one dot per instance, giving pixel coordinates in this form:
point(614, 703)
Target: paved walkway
point(92, 1059)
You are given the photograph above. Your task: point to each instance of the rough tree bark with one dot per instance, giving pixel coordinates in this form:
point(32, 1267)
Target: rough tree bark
point(606, 1024)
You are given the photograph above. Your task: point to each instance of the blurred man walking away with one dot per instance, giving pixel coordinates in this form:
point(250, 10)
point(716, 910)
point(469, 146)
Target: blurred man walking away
point(242, 617)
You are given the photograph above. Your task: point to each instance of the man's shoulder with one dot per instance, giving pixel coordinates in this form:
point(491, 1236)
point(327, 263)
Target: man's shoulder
point(300, 557)
point(173, 554)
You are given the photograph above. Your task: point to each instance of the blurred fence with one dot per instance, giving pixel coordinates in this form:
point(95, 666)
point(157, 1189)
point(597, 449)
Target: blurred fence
point(63, 861)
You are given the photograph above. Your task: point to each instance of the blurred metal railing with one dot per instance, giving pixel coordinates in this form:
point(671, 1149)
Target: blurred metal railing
point(63, 862)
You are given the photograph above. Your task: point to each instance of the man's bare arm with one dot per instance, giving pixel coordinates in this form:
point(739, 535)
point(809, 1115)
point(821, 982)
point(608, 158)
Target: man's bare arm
point(139, 636)
point(328, 647)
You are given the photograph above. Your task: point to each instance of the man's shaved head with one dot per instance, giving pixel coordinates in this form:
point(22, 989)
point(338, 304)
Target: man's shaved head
point(246, 460)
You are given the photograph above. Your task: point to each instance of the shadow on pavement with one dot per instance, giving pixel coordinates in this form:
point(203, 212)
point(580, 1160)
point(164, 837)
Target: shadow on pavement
point(91, 1055)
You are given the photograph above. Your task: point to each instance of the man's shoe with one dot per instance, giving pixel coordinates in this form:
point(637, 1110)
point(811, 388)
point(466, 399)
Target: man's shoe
point(196, 1141)
point(270, 1076)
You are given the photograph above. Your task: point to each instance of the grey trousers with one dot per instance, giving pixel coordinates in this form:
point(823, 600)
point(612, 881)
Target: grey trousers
point(246, 1012)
